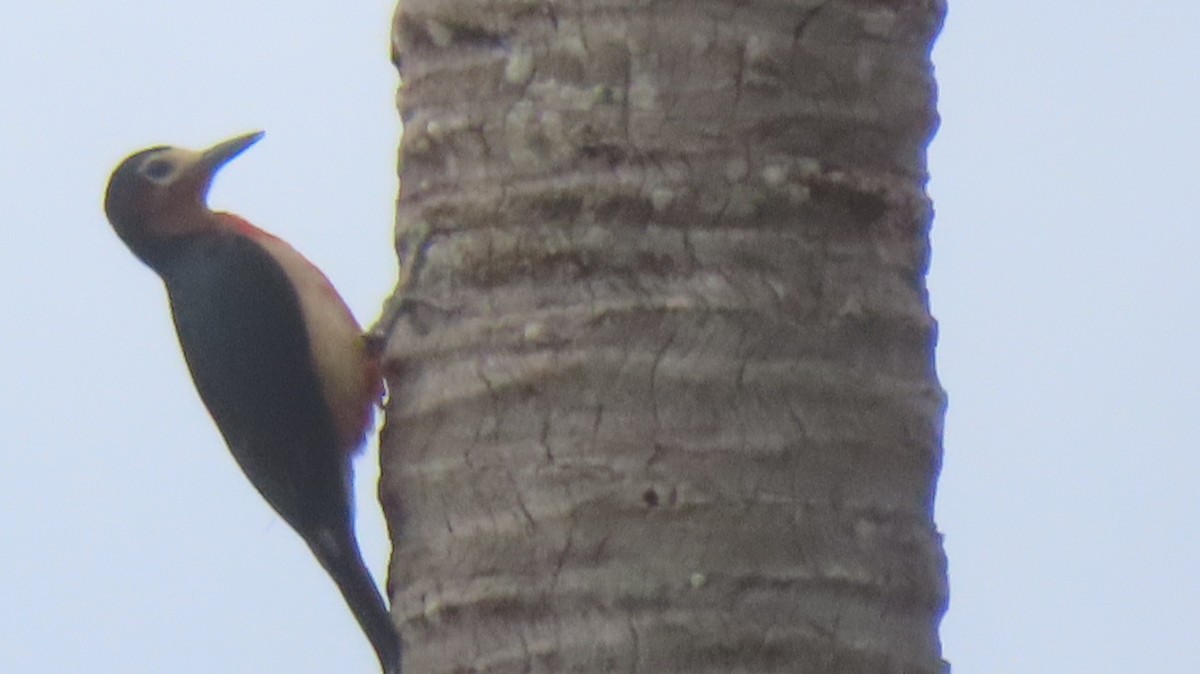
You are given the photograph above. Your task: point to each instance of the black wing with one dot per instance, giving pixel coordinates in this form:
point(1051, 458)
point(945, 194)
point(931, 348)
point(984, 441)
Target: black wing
point(244, 338)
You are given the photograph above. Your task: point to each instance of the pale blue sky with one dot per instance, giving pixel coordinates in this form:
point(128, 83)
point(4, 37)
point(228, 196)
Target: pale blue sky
point(132, 543)
point(1065, 280)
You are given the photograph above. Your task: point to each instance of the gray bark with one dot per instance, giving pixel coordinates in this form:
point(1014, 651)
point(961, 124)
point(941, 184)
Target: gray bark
point(663, 396)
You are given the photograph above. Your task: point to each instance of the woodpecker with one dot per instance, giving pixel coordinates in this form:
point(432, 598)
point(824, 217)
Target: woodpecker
point(275, 353)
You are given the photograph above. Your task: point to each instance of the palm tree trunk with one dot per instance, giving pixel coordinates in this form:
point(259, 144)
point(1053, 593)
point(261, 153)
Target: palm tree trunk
point(663, 396)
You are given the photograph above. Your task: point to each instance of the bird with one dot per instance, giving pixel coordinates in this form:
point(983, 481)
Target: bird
point(275, 354)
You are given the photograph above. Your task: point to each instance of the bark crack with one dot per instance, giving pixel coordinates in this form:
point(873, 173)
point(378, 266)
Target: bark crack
point(544, 439)
point(635, 647)
point(802, 26)
point(658, 358)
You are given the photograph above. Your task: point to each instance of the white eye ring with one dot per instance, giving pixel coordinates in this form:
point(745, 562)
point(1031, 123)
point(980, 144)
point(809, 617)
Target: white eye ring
point(158, 169)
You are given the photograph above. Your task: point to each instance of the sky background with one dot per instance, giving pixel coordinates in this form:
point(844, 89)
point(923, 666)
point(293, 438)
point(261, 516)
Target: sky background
point(1065, 279)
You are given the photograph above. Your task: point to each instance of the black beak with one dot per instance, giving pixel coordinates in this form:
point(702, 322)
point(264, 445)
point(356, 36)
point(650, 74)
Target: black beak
point(218, 155)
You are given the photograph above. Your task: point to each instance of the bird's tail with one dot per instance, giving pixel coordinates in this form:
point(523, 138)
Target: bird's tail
point(338, 552)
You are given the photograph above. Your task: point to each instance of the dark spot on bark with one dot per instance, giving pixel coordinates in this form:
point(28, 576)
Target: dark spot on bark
point(865, 207)
point(626, 209)
point(661, 265)
point(607, 153)
point(558, 208)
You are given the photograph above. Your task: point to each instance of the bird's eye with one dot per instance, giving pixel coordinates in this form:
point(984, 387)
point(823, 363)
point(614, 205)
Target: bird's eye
point(157, 169)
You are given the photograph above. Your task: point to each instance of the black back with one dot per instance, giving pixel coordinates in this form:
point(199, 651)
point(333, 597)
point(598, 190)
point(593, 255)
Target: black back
point(244, 338)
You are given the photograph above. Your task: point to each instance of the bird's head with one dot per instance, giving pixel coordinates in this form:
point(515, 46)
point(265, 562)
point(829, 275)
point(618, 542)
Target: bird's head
point(160, 193)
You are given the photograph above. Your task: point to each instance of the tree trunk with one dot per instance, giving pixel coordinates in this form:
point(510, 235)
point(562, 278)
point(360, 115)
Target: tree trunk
point(662, 388)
